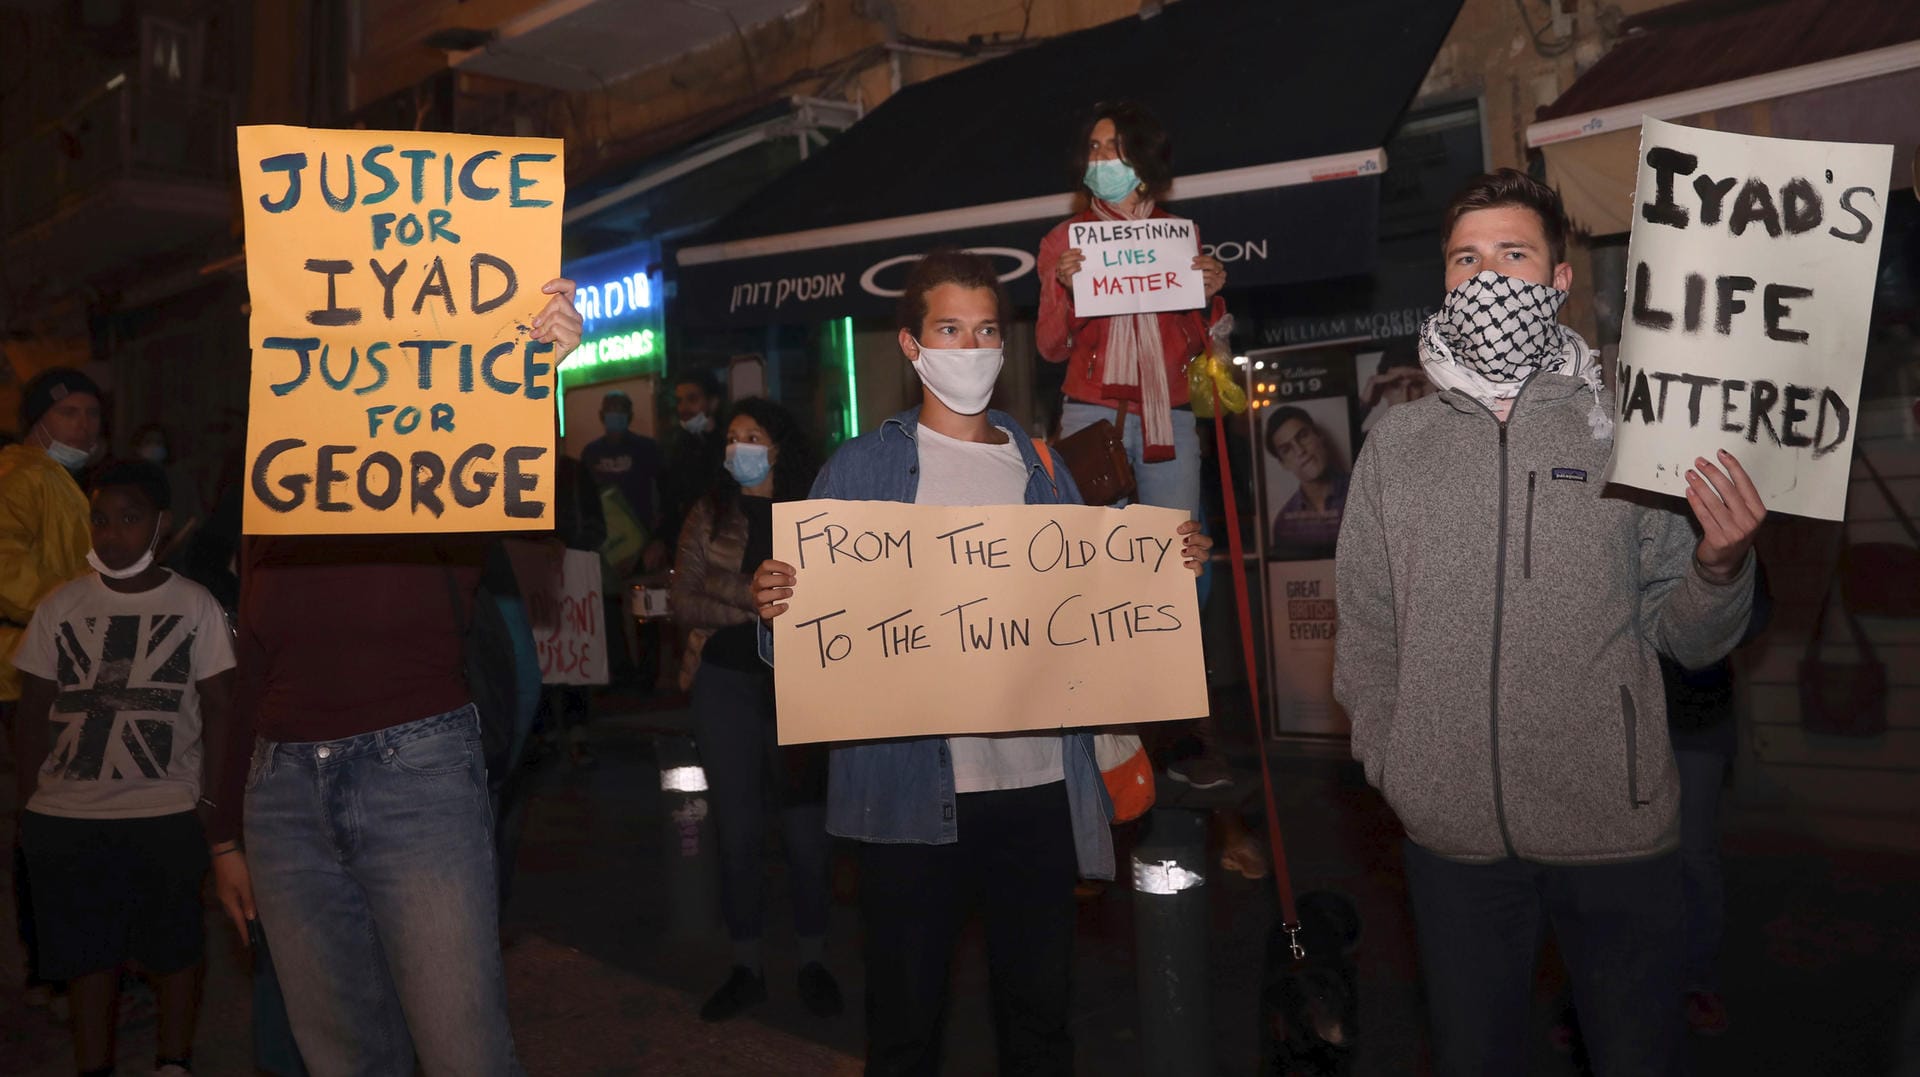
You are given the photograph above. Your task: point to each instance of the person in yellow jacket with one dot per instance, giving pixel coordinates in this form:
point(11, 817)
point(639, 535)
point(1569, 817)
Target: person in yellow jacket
point(43, 515)
point(44, 540)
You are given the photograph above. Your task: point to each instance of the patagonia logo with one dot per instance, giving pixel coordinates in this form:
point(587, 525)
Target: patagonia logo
point(1572, 473)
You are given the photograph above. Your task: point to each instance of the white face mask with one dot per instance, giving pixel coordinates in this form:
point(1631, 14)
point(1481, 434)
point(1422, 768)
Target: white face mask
point(140, 564)
point(66, 455)
point(699, 424)
point(962, 378)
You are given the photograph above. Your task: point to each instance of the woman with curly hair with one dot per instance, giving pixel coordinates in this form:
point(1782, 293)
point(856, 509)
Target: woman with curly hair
point(728, 533)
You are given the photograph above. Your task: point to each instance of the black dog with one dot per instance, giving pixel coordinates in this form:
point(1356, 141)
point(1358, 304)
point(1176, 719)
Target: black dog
point(1310, 1006)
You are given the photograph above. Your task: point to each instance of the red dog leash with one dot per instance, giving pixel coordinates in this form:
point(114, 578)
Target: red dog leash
point(1289, 917)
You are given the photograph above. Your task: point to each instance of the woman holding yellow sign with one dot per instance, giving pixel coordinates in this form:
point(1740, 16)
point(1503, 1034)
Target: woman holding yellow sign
point(365, 834)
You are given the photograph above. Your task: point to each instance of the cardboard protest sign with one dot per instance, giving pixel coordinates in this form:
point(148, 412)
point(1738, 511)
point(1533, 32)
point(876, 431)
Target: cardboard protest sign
point(926, 620)
point(396, 386)
point(1750, 280)
point(561, 589)
point(1135, 267)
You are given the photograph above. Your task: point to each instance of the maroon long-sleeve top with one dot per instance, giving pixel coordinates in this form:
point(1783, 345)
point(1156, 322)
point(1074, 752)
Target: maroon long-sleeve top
point(343, 636)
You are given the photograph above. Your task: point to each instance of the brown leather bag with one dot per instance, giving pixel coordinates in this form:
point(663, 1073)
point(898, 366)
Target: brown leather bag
point(1096, 457)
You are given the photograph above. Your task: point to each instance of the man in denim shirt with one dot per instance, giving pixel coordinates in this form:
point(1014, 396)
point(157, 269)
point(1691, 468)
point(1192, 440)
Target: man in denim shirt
point(947, 824)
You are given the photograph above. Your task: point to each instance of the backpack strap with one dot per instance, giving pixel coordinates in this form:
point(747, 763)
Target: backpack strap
point(1046, 455)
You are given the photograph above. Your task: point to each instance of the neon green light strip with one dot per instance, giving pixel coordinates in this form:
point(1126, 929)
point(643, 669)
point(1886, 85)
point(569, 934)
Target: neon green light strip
point(853, 391)
point(612, 349)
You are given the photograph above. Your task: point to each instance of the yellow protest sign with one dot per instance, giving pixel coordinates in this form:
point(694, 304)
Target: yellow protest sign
point(928, 620)
point(396, 384)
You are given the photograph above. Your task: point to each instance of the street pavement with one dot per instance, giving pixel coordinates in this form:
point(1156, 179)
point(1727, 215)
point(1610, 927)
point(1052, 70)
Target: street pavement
point(613, 940)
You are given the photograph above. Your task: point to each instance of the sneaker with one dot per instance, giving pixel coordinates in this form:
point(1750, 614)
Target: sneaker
point(1204, 771)
point(173, 1069)
point(819, 990)
point(743, 988)
point(1706, 1012)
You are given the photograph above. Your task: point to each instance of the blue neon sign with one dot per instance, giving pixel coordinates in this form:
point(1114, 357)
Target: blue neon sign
point(619, 298)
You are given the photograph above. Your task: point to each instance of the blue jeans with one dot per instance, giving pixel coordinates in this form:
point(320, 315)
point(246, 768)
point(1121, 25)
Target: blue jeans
point(372, 862)
point(1169, 484)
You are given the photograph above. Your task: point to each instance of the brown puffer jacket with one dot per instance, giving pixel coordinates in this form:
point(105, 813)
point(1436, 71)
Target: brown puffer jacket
point(710, 592)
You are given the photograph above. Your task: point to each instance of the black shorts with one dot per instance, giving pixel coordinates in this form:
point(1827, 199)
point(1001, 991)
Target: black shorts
point(109, 890)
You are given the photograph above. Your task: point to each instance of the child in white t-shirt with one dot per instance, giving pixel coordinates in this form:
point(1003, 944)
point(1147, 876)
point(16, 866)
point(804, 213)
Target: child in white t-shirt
point(126, 672)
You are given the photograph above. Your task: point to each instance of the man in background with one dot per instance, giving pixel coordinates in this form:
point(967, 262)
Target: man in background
point(626, 466)
point(690, 458)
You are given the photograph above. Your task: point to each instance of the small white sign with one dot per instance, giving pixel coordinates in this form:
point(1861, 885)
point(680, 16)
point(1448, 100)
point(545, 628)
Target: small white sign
point(1135, 267)
point(562, 593)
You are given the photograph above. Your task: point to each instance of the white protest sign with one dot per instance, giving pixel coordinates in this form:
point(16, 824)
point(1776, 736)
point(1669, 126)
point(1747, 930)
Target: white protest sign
point(926, 620)
point(1135, 267)
point(563, 598)
point(1749, 283)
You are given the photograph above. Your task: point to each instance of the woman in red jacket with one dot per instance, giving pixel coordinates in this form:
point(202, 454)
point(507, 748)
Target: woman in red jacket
point(1124, 162)
point(1125, 165)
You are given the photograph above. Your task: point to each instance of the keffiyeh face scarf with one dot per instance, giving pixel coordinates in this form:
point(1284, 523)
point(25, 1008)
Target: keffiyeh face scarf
point(1494, 332)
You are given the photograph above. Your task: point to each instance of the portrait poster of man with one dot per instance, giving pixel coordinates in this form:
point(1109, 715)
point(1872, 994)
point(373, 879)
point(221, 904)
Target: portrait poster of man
point(1305, 432)
point(1306, 436)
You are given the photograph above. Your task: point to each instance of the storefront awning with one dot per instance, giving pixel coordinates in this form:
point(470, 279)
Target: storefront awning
point(1832, 70)
point(1277, 113)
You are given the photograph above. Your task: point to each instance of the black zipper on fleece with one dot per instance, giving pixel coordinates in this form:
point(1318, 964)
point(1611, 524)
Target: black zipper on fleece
point(1526, 557)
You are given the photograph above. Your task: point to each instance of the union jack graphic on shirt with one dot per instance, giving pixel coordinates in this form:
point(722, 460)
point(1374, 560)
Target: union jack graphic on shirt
point(121, 682)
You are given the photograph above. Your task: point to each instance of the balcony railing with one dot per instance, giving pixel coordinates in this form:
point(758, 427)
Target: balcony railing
point(124, 131)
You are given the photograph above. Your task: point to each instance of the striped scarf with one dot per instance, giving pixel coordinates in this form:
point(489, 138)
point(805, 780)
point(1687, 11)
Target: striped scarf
point(1135, 364)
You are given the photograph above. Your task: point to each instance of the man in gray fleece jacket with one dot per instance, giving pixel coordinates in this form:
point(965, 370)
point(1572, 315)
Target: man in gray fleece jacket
point(1500, 627)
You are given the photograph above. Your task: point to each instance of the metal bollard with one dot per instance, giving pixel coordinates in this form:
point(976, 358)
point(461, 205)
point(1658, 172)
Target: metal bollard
point(1170, 943)
point(691, 857)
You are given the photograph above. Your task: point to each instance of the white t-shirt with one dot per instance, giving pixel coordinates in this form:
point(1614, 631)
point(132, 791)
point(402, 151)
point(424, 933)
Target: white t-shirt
point(954, 472)
point(125, 726)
